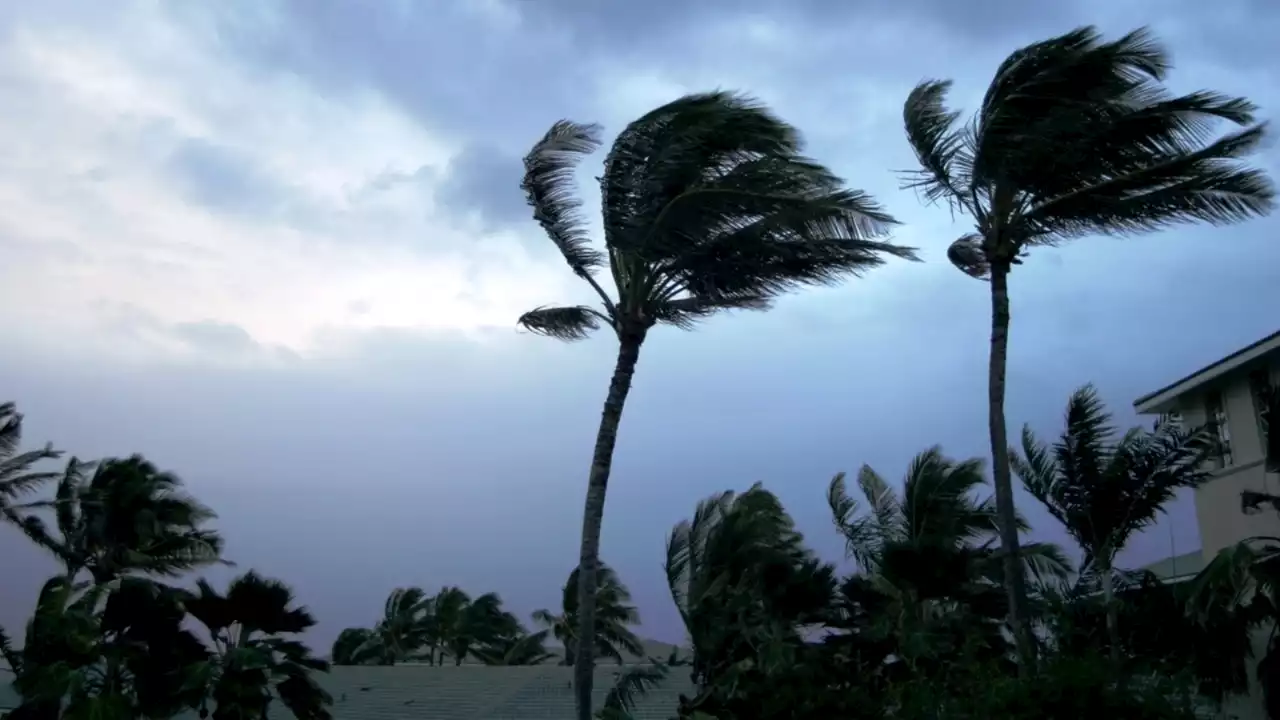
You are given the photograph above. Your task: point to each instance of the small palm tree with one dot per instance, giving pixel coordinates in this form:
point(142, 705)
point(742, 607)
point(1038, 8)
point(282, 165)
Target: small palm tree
point(707, 205)
point(122, 516)
point(1104, 487)
point(355, 646)
point(933, 547)
point(615, 615)
point(17, 474)
point(631, 685)
point(742, 579)
point(1075, 137)
point(465, 624)
point(406, 627)
point(253, 654)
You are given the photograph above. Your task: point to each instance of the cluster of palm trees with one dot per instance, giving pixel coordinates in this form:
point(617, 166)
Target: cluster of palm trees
point(709, 204)
point(109, 638)
point(451, 625)
point(919, 627)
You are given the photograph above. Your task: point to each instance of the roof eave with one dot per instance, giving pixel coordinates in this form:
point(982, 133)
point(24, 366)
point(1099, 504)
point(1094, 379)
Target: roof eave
point(1166, 399)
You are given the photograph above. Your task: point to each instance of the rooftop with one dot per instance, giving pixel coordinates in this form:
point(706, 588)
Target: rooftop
point(1162, 400)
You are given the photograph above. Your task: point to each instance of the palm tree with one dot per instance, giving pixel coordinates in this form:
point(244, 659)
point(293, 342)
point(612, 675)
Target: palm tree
point(742, 579)
point(355, 646)
point(1104, 487)
point(17, 477)
point(1075, 137)
point(406, 628)
point(928, 553)
point(631, 685)
point(523, 649)
point(122, 516)
point(464, 624)
point(614, 617)
point(249, 627)
point(707, 205)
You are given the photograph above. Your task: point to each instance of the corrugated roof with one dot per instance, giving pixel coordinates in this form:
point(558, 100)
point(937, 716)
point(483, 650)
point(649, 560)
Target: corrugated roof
point(473, 692)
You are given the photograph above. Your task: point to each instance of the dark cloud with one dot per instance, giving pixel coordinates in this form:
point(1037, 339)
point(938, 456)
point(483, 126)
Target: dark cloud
point(485, 181)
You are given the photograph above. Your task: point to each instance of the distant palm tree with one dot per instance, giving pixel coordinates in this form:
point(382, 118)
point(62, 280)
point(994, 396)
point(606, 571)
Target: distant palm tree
point(524, 649)
point(17, 476)
point(406, 628)
point(1104, 486)
point(1075, 137)
point(253, 653)
point(708, 205)
point(615, 615)
point(465, 624)
point(122, 516)
point(355, 646)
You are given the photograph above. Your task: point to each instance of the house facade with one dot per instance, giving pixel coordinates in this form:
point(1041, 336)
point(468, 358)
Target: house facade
point(1228, 508)
point(1226, 394)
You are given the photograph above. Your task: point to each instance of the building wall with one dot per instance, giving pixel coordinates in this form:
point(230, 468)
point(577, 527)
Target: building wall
point(1218, 510)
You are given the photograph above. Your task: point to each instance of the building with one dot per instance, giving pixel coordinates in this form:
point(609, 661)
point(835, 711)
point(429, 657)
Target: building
point(1226, 393)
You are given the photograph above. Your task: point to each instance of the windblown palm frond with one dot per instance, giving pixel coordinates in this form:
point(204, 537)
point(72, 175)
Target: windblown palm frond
point(631, 684)
point(615, 616)
point(355, 646)
point(17, 474)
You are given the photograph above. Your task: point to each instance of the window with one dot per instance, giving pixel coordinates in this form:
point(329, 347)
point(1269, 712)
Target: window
point(1215, 414)
point(1171, 419)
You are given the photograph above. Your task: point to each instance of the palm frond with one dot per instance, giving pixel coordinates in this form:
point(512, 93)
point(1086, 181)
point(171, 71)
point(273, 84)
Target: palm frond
point(632, 683)
point(945, 161)
point(549, 187)
point(570, 323)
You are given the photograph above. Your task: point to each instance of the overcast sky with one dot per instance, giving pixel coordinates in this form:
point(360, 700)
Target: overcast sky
point(278, 246)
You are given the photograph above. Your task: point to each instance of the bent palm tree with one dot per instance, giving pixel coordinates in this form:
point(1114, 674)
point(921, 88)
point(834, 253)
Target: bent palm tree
point(614, 617)
point(524, 649)
point(126, 517)
point(1104, 487)
point(355, 646)
point(1075, 137)
point(707, 205)
point(253, 653)
point(406, 627)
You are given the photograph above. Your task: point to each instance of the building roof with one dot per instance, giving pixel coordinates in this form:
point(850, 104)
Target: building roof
point(1162, 400)
point(467, 692)
point(1177, 568)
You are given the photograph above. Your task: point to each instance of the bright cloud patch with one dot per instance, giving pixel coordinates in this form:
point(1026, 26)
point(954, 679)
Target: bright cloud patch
point(146, 177)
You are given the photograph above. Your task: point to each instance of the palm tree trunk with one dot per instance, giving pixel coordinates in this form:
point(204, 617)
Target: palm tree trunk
point(593, 516)
point(1113, 613)
point(1014, 583)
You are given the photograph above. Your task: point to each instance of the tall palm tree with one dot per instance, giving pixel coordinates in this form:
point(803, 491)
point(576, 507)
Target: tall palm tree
point(1075, 137)
point(250, 628)
point(17, 474)
point(614, 612)
point(707, 205)
point(923, 555)
point(121, 516)
point(1104, 486)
